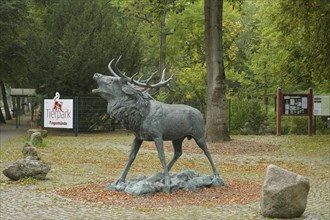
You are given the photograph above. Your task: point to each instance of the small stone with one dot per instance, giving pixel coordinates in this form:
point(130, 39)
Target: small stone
point(29, 151)
point(44, 133)
point(36, 139)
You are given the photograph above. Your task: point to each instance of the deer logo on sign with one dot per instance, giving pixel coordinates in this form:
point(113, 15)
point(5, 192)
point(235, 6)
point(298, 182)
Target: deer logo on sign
point(57, 102)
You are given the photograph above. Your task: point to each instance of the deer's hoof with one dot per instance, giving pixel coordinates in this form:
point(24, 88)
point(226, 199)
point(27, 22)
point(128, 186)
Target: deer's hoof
point(120, 180)
point(218, 181)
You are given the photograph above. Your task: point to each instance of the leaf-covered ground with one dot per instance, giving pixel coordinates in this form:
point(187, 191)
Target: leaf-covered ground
point(236, 191)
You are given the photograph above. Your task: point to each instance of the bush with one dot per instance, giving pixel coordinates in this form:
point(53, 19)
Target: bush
point(247, 116)
point(297, 124)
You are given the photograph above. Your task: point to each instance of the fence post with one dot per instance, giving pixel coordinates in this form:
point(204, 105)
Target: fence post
point(279, 108)
point(310, 112)
point(42, 112)
point(76, 115)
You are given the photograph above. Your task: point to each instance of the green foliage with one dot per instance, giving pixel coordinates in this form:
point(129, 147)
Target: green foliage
point(296, 124)
point(189, 88)
point(76, 39)
point(13, 20)
point(267, 44)
point(294, 45)
point(247, 116)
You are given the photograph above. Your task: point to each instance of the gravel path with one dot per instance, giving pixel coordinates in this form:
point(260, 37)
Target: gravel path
point(9, 129)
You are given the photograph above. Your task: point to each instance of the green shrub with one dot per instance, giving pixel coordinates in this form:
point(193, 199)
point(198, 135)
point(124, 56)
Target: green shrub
point(247, 116)
point(297, 124)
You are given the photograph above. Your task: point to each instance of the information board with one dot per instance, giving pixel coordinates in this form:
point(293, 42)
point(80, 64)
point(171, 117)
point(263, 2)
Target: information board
point(322, 105)
point(295, 104)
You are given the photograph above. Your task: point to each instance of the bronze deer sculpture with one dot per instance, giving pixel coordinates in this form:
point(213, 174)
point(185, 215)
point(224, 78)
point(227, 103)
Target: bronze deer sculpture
point(151, 120)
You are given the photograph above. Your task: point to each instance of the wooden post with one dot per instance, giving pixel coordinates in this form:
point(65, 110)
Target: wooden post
point(310, 112)
point(279, 107)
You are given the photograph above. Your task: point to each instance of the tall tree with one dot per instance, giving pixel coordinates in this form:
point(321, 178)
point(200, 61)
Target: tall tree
point(216, 99)
point(12, 61)
point(75, 39)
point(4, 100)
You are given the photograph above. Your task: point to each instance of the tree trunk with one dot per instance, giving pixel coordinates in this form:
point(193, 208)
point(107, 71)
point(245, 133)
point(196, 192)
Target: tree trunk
point(216, 129)
point(2, 119)
point(4, 99)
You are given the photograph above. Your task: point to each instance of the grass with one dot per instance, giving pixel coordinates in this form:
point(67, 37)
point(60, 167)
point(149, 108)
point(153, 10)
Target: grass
point(93, 157)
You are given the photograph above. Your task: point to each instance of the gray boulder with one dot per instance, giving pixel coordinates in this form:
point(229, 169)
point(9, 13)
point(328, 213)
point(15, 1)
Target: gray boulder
point(27, 168)
point(284, 194)
point(36, 138)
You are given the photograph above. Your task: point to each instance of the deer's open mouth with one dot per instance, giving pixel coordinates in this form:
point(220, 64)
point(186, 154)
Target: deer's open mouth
point(96, 77)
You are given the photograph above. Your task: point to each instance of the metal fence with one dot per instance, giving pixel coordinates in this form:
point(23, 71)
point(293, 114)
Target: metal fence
point(92, 115)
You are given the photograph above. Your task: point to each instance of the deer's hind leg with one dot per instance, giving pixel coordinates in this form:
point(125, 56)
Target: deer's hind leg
point(202, 144)
point(177, 145)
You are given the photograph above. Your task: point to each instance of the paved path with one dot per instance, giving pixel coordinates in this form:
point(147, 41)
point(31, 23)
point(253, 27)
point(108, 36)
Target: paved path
point(9, 129)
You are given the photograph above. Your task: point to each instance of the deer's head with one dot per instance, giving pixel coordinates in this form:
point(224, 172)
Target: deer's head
point(119, 84)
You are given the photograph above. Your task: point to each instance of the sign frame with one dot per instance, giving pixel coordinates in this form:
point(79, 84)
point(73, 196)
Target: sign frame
point(284, 109)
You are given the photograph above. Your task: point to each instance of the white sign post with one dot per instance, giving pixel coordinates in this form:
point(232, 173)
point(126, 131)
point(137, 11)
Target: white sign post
point(58, 113)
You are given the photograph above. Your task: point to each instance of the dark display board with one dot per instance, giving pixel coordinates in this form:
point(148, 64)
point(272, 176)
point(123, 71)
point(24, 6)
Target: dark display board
point(295, 104)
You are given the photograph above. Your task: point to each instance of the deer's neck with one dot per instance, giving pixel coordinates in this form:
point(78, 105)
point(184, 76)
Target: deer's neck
point(131, 112)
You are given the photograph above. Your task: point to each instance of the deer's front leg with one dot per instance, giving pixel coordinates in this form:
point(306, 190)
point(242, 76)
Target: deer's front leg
point(134, 150)
point(161, 155)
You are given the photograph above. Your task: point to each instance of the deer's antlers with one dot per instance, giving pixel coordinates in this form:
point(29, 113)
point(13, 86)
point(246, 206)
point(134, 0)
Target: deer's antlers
point(146, 85)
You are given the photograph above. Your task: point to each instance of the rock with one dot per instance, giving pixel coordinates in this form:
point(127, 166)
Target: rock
point(157, 177)
point(119, 187)
point(36, 139)
point(198, 183)
point(44, 133)
point(141, 186)
point(28, 144)
point(284, 194)
point(30, 152)
point(27, 168)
